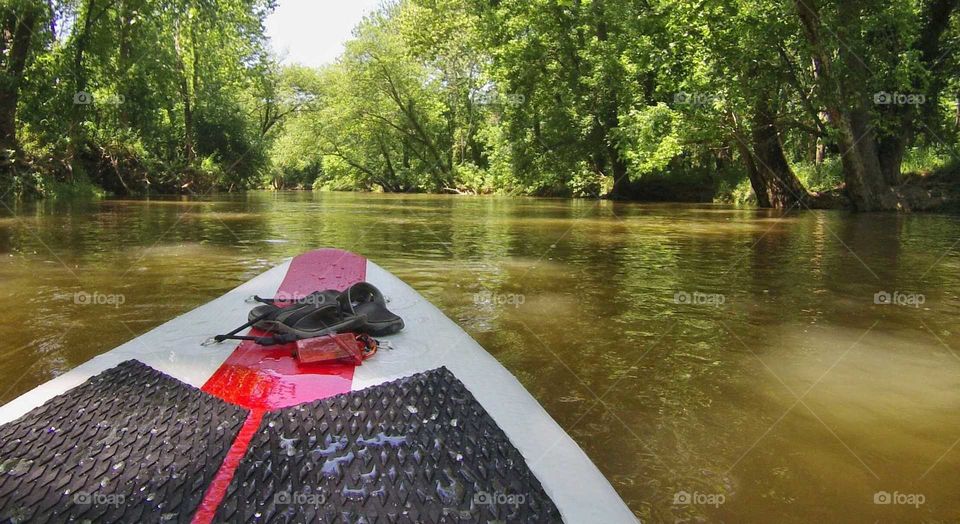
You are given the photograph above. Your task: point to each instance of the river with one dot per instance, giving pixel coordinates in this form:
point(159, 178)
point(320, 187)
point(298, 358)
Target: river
point(716, 363)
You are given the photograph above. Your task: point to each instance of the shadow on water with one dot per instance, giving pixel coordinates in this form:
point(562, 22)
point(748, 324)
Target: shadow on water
point(716, 363)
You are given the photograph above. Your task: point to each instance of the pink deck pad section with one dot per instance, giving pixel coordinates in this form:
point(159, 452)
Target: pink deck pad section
point(270, 378)
point(256, 377)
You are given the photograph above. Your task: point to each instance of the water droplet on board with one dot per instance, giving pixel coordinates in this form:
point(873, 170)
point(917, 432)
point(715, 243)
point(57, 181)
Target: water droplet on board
point(287, 445)
point(355, 494)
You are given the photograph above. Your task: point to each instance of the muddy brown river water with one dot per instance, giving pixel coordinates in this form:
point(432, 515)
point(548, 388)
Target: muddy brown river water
point(718, 364)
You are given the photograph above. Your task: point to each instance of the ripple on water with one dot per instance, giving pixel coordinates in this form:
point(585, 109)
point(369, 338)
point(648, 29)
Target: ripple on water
point(695, 387)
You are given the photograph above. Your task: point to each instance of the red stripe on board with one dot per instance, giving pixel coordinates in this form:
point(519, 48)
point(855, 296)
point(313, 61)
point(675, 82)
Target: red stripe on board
point(270, 378)
point(218, 488)
point(262, 379)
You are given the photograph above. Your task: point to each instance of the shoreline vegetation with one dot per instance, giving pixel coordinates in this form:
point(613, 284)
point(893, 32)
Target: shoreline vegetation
point(780, 104)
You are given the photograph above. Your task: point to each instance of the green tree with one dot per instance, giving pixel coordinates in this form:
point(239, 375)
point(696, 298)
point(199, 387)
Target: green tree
point(863, 53)
point(20, 21)
point(144, 95)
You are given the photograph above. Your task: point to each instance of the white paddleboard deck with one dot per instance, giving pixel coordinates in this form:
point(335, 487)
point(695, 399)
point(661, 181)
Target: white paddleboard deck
point(430, 340)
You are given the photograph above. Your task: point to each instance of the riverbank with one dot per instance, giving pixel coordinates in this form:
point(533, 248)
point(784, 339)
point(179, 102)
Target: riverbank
point(934, 189)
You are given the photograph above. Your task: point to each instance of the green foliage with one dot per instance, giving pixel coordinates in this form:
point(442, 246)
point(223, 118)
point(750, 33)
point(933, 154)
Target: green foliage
point(147, 95)
point(550, 97)
point(76, 189)
point(738, 192)
point(650, 138)
point(657, 99)
point(925, 160)
point(824, 177)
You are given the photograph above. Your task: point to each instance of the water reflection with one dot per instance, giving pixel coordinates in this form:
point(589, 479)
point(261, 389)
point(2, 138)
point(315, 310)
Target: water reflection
point(797, 398)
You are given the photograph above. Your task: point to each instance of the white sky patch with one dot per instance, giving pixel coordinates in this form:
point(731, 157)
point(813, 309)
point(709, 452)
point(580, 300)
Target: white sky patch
point(312, 32)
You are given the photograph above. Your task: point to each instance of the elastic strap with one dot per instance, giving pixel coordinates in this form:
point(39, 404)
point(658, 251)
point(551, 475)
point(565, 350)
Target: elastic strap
point(370, 345)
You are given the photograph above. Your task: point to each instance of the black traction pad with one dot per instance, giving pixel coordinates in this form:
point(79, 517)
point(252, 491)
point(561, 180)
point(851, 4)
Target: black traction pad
point(420, 449)
point(128, 445)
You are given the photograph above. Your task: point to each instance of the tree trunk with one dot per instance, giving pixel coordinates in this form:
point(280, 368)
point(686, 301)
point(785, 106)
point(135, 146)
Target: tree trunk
point(822, 116)
point(621, 179)
point(8, 125)
point(776, 180)
point(936, 22)
point(866, 184)
point(891, 152)
point(618, 166)
point(185, 99)
point(956, 118)
point(390, 174)
point(189, 152)
point(756, 179)
point(821, 154)
point(19, 49)
point(891, 148)
point(195, 89)
point(608, 115)
point(79, 83)
point(124, 58)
